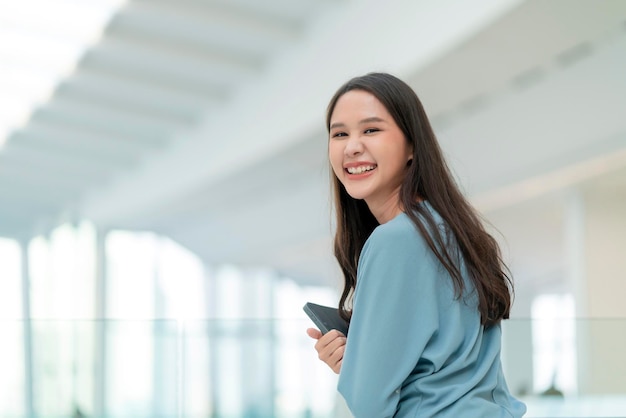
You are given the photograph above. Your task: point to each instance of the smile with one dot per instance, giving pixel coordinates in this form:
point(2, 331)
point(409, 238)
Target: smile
point(360, 169)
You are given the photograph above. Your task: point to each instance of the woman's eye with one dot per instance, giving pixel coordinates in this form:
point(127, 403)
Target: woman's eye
point(371, 130)
point(339, 134)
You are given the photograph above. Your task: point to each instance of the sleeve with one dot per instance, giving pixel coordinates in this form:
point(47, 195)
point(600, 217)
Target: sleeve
point(394, 316)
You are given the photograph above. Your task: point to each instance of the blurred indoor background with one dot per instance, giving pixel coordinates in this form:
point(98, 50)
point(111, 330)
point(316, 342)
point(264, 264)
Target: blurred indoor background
point(165, 208)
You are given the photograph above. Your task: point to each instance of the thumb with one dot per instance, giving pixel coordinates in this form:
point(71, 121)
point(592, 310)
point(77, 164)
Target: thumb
point(314, 333)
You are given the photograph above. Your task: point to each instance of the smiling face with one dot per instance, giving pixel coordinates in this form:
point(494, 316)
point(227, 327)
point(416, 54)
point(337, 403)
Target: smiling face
point(368, 152)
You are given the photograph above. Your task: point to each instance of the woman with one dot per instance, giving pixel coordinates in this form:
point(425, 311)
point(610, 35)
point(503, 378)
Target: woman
point(425, 285)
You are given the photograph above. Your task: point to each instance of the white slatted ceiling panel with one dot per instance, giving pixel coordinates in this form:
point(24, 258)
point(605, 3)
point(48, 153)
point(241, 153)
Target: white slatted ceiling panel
point(159, 67)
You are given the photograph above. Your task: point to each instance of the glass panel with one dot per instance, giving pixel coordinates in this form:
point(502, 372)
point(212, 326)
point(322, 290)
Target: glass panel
point(229, 373)
point(229, 294)
point(12, 359)
point(63, 366)
point(130, 365)
point(181, 281)
point(306, 386)
point(132, 340)
point(554, 344)
point(600, 369)
point(182, 294)
point(131, 273)
point(196, 374)
point(10, 280)
point(63, 330)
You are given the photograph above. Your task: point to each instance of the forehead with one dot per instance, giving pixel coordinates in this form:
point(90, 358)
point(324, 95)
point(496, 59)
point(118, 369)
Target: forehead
point(358, 104)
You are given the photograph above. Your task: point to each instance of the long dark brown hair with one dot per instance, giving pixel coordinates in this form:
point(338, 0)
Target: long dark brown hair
point(428, 177)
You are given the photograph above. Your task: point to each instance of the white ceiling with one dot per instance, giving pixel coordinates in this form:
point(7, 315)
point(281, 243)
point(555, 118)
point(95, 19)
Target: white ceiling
point(204, 120)
point(160, 67)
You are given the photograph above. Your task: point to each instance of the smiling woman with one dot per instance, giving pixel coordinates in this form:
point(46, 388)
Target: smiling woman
point(427, 284)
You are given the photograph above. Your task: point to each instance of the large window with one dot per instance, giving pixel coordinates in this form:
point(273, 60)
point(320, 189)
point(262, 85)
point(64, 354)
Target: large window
point(177, 338)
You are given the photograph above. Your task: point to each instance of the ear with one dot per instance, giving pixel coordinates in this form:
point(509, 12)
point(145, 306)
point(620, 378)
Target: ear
point(410, 156)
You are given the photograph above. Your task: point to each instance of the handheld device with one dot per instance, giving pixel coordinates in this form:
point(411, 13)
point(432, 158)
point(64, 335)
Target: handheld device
point(326, 318)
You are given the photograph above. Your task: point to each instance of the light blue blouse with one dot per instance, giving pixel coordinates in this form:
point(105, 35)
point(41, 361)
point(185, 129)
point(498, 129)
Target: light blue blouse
point(413, 348)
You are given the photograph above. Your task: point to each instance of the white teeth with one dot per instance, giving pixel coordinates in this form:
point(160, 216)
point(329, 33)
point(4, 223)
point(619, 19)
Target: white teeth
point(360, 169)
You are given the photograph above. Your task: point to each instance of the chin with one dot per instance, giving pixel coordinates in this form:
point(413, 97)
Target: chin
point(356, 194)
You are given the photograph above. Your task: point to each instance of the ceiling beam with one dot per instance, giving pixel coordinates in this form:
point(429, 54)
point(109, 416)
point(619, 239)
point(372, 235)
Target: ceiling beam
point(172, 64)
point(27, 141)
point(139, 92)
point(74, 134)
point(207, 20)
point(211, 84)
point(199, 56)
point(38, 197)
point(58, 184)
point(159, 112)
point(286, 105)
point(100, 116)
point(65, 165)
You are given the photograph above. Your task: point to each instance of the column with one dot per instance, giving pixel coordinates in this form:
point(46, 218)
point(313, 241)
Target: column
point(29, 407)
point(574, 225)
point(100, 342)
point(603, 290)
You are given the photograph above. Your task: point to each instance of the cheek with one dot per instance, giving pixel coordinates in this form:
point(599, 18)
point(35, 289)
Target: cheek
point(335, 157)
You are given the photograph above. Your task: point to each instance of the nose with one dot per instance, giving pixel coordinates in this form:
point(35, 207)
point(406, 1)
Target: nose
point(354, 146)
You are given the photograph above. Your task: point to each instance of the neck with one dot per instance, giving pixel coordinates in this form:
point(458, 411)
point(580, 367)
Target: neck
point(386, 210)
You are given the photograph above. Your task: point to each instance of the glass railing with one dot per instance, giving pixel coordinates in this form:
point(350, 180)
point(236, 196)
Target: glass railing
point(268, 368)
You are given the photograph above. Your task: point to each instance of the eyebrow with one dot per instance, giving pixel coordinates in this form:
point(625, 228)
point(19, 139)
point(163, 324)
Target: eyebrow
point(362, 122)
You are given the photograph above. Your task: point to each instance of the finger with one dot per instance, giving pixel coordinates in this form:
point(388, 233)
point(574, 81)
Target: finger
point(333, 333)
point(337, 356)
point(325, 352)
point(332, 352)
point(334, 344)
point(328, 338)
point(314, 333)
point(337, 367)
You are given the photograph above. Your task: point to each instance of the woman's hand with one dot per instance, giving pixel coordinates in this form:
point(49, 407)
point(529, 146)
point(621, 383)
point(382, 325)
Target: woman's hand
point(330, 347)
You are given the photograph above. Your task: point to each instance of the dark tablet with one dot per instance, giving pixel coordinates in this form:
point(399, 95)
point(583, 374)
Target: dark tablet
point(326, 318)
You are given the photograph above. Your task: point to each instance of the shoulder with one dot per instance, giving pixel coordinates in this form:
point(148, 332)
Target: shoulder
point(394, 241)
point(398, 230)
point(401, 231)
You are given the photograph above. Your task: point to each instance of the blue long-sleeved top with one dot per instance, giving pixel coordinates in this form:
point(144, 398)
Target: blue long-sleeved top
point(414, 349)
